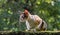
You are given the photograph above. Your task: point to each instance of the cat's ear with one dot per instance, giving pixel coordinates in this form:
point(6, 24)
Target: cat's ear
point(26, 12)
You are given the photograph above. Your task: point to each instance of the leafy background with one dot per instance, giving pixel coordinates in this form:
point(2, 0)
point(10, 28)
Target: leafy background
point(48, 10)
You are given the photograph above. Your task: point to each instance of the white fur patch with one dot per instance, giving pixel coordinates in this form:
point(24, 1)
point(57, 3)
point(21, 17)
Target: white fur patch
point(27, 25)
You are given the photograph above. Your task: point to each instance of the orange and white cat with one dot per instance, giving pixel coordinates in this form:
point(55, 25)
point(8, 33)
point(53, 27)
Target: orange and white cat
point(33, 22)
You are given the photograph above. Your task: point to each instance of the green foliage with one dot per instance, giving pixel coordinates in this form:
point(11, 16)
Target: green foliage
point(9, 13)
